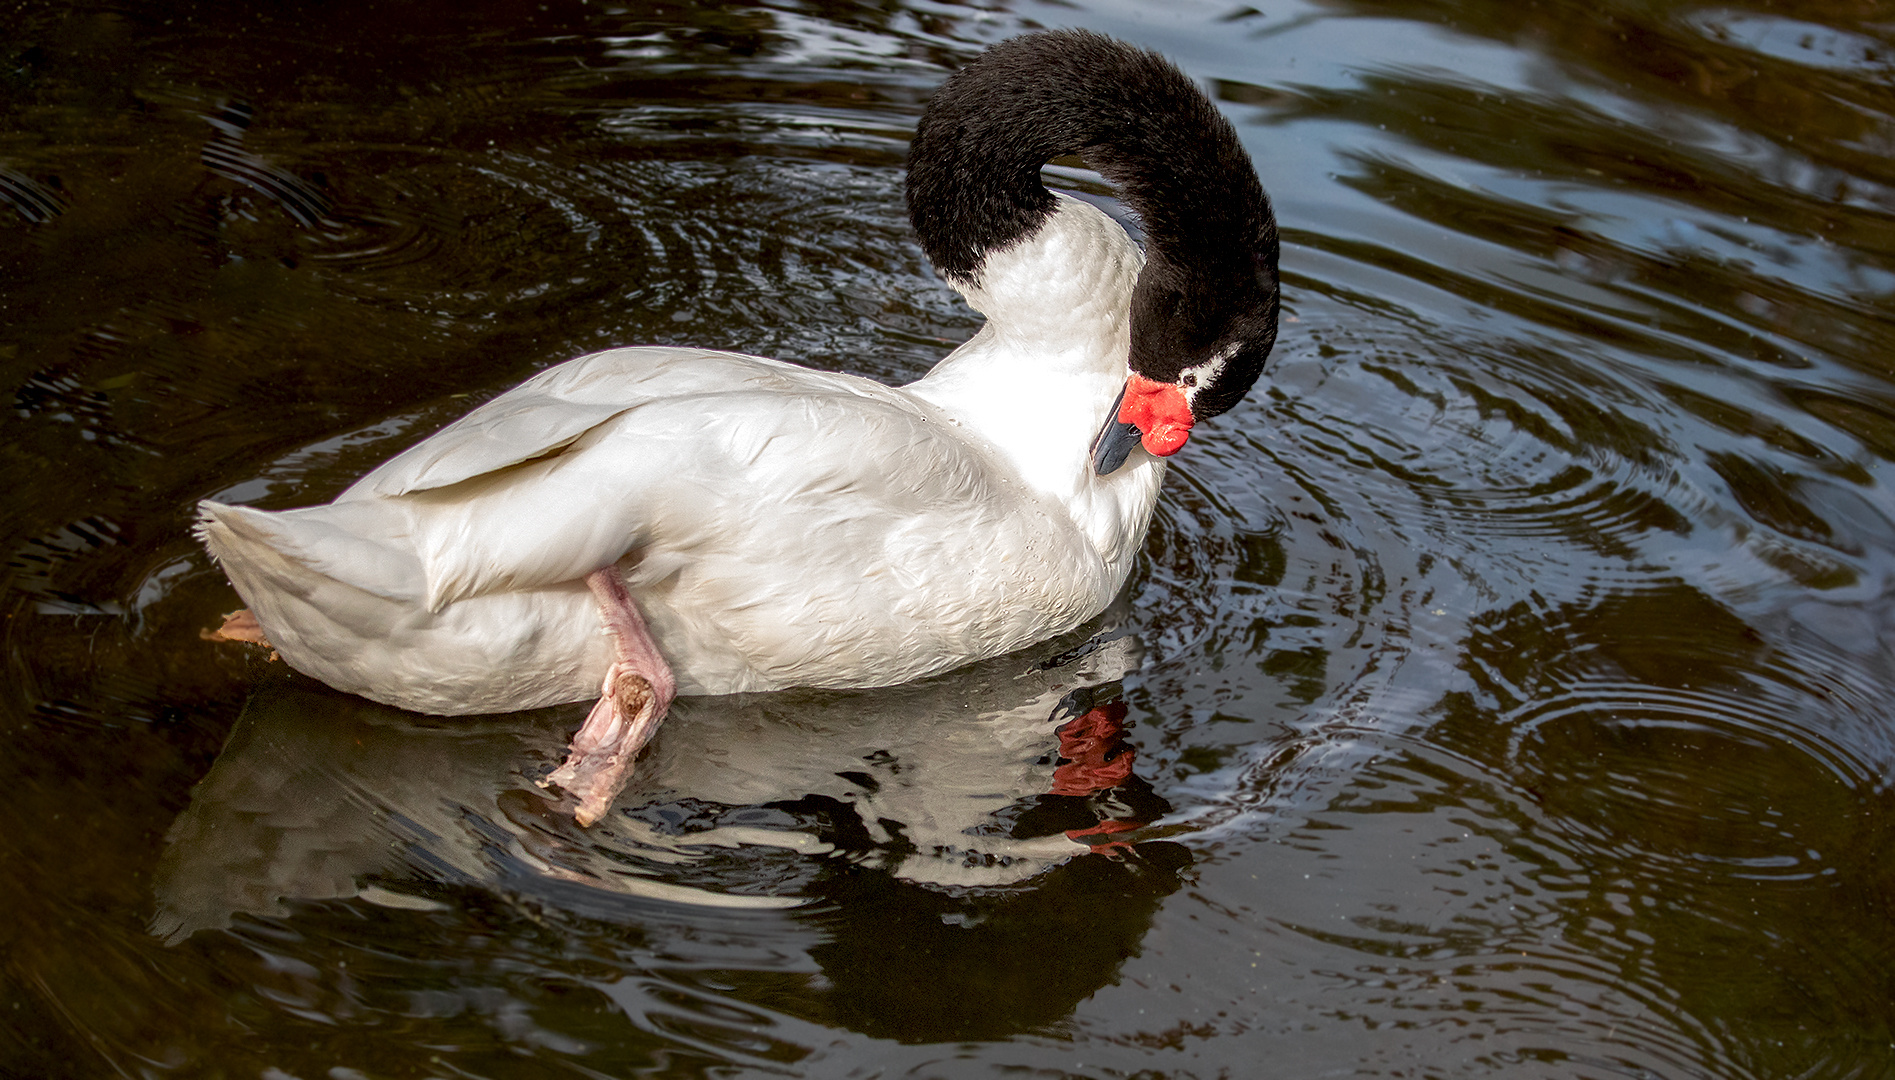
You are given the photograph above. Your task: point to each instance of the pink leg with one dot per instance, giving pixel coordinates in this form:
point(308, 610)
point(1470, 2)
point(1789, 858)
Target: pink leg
point(638, 689)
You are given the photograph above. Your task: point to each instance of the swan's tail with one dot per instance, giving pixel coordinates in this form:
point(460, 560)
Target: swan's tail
point(341, 598)
point(284, 566)
point(352, 543)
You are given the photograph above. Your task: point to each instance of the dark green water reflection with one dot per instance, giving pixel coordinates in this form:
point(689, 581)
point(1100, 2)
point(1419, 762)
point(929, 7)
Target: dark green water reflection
point(1504, 690)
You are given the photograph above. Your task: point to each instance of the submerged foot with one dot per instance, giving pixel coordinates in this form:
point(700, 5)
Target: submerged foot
point(637, 692)
point(600, 760)
point(242, 626)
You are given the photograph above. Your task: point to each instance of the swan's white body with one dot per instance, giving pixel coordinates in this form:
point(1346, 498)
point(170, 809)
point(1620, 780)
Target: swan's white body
point(778, 526)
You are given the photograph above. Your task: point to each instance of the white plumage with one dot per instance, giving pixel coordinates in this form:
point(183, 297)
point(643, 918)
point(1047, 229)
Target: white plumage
point(644, 522)
point(778, 526)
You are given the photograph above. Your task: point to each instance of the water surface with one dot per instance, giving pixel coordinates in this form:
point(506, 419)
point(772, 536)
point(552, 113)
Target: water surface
point(1503, 690)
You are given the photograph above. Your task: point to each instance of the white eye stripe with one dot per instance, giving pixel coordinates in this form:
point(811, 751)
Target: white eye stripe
point(1198, 376)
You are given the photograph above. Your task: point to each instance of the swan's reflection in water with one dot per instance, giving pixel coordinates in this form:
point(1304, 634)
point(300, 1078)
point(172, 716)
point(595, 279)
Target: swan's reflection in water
point(986, 820)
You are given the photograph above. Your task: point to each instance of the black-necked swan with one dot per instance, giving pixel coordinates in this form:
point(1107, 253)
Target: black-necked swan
point(646, 522)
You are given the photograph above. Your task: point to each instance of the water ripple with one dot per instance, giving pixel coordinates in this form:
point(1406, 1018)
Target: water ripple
point(1503, 688)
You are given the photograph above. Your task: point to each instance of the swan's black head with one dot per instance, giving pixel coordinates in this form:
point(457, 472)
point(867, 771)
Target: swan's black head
point(1205, 310)
point(1200, 339)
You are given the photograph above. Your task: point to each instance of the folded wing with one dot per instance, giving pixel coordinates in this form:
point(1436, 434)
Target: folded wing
point(676, 452)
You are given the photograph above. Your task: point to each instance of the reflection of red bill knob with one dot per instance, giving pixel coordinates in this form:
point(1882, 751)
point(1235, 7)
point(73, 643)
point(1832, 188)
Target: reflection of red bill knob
point(1098, 838)
point(1095, 753)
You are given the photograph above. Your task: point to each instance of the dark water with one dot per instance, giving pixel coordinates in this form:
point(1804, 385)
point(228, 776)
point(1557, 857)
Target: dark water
point(1505, 689)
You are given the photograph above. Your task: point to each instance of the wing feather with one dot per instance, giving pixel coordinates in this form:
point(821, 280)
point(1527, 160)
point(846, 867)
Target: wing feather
point(557, 407)
point(661, 459)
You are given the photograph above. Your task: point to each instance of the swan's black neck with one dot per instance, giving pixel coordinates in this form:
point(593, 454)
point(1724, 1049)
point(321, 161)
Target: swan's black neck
point(974, 181)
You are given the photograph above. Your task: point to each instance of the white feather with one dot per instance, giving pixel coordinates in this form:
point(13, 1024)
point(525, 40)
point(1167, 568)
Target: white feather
point(778, 526)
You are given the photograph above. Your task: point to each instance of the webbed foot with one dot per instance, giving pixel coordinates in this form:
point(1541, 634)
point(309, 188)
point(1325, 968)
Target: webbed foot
point(633, 700)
